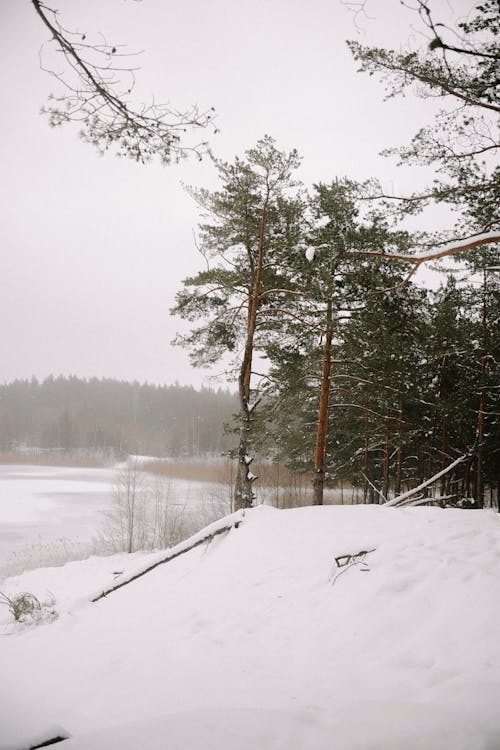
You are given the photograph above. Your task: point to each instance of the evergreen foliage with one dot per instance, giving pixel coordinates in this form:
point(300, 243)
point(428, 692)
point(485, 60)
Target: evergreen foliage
point(253, 230)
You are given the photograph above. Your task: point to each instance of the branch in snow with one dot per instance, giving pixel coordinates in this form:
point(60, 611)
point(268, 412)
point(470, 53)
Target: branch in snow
point(429, 500)
point(207, 534)
point(50, 736)
point(401, 499)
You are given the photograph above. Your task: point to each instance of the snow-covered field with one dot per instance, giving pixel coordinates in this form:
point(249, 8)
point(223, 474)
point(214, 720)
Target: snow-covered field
point(244, 643)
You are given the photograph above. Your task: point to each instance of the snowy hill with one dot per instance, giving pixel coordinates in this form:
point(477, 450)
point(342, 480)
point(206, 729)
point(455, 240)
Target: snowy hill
point(244, 643)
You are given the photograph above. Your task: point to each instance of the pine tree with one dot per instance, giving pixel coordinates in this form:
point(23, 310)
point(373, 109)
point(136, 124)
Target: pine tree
point(254, 227)
point(308, 371)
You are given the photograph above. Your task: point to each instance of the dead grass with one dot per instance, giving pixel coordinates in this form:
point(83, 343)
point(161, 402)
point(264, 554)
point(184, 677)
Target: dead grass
point(218, 472)
point(223, 471)
point(276, 485)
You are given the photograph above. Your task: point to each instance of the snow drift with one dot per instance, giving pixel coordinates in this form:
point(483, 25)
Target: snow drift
point(243, 642)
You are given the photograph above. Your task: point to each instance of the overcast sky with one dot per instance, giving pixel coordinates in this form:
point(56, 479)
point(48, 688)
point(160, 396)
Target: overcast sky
point(93, 249)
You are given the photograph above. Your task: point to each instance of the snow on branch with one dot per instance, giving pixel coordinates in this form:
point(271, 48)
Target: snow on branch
point(205, 535)
point(452, 248)
point(404, 499)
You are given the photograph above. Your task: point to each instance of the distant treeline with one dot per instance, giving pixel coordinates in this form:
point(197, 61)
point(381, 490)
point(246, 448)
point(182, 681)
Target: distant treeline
point(112, 417)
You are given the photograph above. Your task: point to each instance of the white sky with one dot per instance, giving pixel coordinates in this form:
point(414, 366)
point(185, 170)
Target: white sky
point(93, 249)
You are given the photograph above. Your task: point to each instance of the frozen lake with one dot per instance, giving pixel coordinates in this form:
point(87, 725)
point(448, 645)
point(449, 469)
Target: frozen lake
point(43, 504)
point(45, 508)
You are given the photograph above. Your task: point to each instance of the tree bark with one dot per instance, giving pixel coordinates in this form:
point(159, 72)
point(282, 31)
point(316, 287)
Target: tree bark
point(444, 479)
point(243, 489)
point(366, 486)
point(399, 458)
point(480, 439)
point(387, 458)
point(324, 399)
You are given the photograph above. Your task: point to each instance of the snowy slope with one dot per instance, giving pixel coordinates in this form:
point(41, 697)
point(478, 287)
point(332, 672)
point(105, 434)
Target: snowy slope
point(245, 643)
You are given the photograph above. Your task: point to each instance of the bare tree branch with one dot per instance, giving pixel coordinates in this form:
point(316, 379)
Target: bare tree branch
point(97, 98)
point(453, 248)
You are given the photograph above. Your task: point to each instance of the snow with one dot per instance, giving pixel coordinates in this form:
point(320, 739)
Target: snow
point(51, 513)
point(480, 238)
point(244, 643)
point(206, 534)
point(406, 496)
point(44, 504)
point(450, 248)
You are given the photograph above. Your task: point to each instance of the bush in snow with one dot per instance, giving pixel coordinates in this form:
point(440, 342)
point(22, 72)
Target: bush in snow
point(26, 606)
point(23, 606)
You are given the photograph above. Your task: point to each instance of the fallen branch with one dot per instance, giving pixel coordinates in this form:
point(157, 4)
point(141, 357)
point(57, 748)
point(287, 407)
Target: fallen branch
point(439, 499)
point(401, 499)
point(222, 526)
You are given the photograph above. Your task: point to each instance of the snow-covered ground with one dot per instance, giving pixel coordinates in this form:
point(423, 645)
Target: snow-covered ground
point(244, 643)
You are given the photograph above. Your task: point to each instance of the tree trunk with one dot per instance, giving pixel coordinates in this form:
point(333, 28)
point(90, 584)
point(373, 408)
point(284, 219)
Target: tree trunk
point(467, 480)
point(480, 440)
point(399, 458)
point(480, 431)
point(442, 489)
point(322, 431)
point(387, 459)
point(243, 489)
point(366, 472)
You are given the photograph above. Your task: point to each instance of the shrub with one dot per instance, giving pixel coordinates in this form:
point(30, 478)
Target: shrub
point(23, 606)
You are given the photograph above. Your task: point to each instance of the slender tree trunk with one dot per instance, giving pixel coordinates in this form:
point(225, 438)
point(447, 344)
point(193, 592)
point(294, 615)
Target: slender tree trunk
point(480, 439)
point(480, 431)
point(467, 480)
point(322, 431)
point(399, 457)
point(243, 489)
point(366, 486)
point(443, 458)
point(387, 459)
